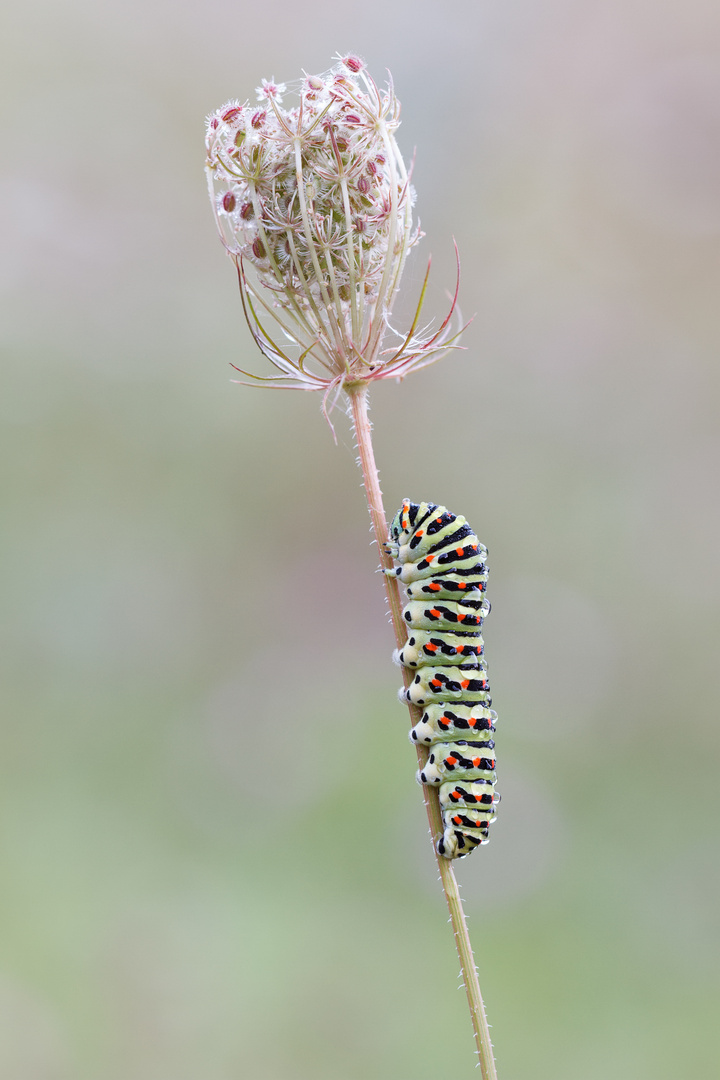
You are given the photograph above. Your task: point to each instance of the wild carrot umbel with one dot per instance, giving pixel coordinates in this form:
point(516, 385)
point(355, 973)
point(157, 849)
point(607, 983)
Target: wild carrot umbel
point(317, 200)
point(314, 205)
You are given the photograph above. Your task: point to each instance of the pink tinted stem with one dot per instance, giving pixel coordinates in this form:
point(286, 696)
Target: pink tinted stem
point(358, 395)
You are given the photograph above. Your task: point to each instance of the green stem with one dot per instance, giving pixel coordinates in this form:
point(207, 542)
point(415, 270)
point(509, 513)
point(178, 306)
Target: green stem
point(358, 395)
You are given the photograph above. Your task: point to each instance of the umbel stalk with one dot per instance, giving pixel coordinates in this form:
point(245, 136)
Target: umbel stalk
point(358, 397)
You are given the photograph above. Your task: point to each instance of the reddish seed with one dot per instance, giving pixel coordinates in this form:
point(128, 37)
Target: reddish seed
point(228, 202)
point(353, 118)
point(232, 114)
point(258, 248)
point(363, 186)
point(246, 211)
point(259, 118)
point(353, 63)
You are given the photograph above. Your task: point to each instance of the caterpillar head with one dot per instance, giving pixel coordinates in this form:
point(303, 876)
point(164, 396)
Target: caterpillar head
point(403, 524)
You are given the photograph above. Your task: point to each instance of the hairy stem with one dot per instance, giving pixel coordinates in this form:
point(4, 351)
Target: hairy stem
point(358, 395)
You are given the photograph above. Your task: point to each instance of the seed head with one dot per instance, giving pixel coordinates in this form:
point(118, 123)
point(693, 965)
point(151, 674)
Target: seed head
point(316, 201)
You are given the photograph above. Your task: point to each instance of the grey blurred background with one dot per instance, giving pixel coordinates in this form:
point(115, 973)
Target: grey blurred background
point(214, 856)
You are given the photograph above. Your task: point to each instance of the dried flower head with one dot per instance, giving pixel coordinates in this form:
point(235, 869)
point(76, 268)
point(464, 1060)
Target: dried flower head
point(317, 200)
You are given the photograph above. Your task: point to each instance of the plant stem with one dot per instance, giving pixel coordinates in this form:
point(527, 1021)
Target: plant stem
point(358, 395)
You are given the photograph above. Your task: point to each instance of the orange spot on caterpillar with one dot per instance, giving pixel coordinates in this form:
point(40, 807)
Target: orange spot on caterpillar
point(435, 612)
point(434, 586)
point(435, 682)
point(459, 551)
point(465, 683)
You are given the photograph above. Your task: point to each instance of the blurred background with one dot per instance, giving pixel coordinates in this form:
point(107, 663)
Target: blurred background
point(214, 856)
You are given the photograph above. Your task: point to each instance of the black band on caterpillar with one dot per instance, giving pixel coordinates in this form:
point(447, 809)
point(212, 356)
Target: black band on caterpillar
point(444, 567)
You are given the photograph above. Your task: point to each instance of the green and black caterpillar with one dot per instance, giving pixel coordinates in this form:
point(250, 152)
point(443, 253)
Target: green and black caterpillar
point(444, 567)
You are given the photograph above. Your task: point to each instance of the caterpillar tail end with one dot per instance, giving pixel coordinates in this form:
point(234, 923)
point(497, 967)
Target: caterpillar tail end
point(456, 845)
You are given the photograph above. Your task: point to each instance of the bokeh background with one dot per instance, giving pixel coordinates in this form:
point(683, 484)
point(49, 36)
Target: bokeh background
point(214, 856)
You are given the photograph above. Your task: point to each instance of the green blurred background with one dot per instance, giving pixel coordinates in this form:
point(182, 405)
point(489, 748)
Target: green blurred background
point(214, 856)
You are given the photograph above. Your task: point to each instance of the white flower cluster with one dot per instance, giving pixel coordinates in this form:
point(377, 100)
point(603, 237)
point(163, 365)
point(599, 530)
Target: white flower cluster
point(317, 199)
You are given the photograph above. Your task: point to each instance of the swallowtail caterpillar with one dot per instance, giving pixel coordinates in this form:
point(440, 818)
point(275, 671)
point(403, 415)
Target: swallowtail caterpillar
point(443, 565)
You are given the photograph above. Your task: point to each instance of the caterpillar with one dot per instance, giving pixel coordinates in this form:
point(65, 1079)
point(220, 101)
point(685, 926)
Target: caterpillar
point(443, 565)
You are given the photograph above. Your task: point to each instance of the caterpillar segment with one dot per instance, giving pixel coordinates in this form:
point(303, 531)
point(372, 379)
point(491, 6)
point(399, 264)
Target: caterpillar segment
point(441, 722)
point(440, 684)
point(444, 566)
point(450, 585)
point(427, 646)
point(473, 794)
point(446, 614)
point(462, 760)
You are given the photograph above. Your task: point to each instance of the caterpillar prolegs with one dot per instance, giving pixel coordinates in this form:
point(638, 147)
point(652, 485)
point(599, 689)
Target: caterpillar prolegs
point(444, 567)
